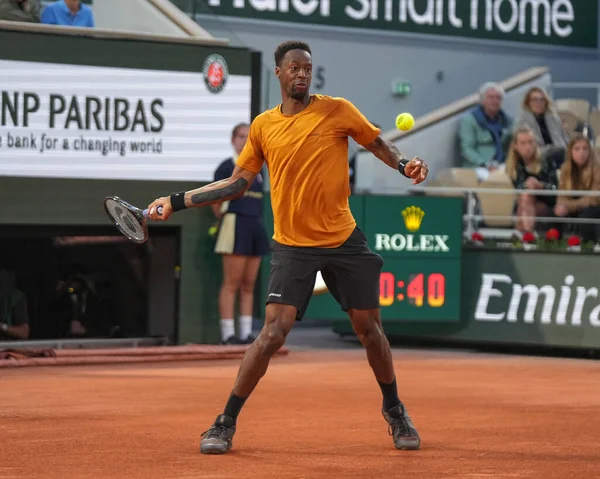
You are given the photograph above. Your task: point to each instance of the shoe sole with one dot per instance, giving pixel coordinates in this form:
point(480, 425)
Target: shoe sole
point(409, 445)
point(213, 449)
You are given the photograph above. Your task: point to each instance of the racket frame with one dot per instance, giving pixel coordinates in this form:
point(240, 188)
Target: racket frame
point(139, 214)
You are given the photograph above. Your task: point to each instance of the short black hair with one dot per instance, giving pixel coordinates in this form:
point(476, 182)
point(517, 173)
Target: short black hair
point(286, 47)
point(237, 128)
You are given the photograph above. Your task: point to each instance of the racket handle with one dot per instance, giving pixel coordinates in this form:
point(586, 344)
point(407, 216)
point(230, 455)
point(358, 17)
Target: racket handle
point(145, 212)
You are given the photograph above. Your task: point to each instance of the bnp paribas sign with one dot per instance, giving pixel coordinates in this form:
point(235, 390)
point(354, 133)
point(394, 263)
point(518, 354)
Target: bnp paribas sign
point(555, 22)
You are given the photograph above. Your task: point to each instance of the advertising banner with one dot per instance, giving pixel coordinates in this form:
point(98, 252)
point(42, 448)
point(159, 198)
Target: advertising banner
point(571, 23)
point(520, 298)
point(143, 111)
point(532, 298)
point(414, 227)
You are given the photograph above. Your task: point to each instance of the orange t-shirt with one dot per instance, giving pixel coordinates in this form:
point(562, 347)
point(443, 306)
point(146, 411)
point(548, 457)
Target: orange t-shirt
point(307, 158)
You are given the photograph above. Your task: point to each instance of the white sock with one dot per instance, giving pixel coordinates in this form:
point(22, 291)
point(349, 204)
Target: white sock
point(227, 329)
point(245, 327)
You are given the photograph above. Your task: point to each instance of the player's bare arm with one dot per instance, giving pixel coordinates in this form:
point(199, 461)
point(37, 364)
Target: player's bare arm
point(216, 192)
point(416, 169)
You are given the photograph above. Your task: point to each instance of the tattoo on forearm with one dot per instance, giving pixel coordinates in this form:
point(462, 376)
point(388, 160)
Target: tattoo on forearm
point(386, 152)
point(214, 195)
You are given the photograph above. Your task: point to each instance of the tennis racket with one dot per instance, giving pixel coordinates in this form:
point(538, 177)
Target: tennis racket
point(129, 220)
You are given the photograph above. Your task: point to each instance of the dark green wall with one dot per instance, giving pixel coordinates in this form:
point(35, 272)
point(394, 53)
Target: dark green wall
point(64, 202)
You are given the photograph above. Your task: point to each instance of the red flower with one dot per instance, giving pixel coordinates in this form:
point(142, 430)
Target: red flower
point(476, 236)
point(573, 241)
point(528, 237)
point(552, 234)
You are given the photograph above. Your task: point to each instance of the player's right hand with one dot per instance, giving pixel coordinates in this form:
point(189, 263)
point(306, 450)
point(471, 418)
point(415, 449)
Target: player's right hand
point(167, 209)
point(417, 170)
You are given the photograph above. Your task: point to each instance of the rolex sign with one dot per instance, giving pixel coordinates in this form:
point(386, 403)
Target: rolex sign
point(415, 225)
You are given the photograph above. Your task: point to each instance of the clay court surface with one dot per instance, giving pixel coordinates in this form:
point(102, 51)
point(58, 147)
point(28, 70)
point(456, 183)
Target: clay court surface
point(315, 414)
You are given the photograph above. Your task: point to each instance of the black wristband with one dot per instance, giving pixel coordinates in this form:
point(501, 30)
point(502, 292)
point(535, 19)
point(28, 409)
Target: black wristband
point(178, 201)
point(401, 165)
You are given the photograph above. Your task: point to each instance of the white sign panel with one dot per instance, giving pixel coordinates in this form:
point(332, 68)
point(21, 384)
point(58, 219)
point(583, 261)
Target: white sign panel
point(74, 121)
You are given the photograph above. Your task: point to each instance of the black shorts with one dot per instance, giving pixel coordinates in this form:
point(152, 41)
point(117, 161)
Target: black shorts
point(350, 271)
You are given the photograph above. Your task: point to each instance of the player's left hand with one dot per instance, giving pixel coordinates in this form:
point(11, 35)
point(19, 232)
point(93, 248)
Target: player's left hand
point(416, 169)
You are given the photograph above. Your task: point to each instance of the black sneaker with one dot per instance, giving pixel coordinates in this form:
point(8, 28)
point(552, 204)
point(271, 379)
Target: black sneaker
point(250, 339)
point(401, 428)
point(233, 340)
point(218, 439)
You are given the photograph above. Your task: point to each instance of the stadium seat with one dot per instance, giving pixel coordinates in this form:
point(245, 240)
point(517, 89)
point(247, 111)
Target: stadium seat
point(594, 122)
point(579, 106)
point(570, 120)
point(494, 204)
point(501, 177)
point(448, 184)
point(455, 178)
point(465, 177)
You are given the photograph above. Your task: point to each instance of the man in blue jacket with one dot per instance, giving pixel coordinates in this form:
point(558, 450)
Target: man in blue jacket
point(485, 132)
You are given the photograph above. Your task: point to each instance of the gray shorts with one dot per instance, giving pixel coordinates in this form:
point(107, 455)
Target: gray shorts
point(350, 271)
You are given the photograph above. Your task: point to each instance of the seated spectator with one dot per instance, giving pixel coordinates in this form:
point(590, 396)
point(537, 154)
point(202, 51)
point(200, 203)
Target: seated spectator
point(69, 13)
point(529, 169)
point(20, 10)
point(538, 114)
point(580, 171)
point(14, 320)
point(484, 132)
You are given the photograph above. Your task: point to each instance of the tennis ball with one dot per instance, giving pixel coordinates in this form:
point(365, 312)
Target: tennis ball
point(405, 121)
point(212, 231)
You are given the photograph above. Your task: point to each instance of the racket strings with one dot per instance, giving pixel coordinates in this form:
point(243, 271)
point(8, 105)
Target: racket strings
point(125, 219)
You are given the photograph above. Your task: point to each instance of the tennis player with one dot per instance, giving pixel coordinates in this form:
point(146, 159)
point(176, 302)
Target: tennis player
point(304, 142)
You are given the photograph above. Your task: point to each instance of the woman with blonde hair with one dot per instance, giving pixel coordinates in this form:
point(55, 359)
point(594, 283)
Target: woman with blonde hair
point(580, 171)
point(530, 169)
point(538, 114)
